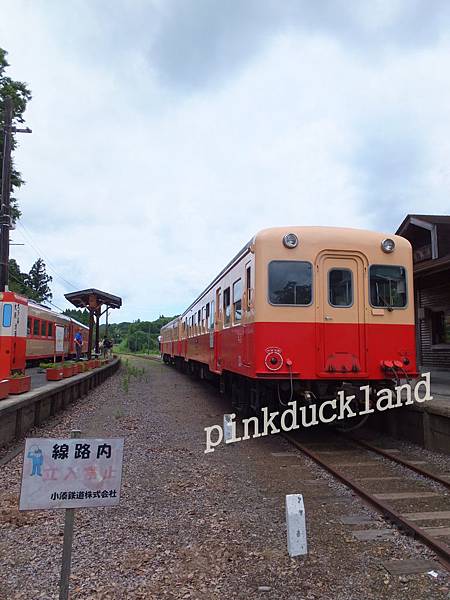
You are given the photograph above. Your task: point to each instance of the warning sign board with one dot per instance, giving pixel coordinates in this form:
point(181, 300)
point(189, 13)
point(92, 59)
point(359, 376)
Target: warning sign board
point(71, 473)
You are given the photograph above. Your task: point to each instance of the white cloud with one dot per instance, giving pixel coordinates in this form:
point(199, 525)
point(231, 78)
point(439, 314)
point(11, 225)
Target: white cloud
point(147, 191)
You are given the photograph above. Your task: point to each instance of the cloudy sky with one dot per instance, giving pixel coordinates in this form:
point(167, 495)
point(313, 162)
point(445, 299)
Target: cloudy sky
point(167, 132)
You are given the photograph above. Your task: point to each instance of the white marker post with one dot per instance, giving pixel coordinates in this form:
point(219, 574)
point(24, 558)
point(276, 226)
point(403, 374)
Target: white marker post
point(70, 473)
point(296, 525)
point(227, 427)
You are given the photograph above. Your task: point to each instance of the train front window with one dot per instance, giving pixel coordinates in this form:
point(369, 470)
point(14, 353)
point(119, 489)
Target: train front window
point(340, 288)
point(387, 286)
point(290, 282)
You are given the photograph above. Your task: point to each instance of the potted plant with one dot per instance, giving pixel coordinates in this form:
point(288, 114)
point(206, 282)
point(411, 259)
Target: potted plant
point(19, 382)
point(54, 371)
point(4, 388)
point(67, 369)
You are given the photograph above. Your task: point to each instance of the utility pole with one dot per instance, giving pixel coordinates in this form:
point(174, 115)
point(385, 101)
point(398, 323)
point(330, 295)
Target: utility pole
point(5, 211)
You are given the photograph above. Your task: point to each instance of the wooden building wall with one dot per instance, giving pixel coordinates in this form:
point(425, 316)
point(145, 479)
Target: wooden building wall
point(432, 292)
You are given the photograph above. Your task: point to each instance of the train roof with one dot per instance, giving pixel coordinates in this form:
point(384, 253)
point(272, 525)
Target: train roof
point(51, 311)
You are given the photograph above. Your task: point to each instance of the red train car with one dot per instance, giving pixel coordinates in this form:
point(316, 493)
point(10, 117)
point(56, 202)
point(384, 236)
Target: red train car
point(307, 311)
point(41, 333)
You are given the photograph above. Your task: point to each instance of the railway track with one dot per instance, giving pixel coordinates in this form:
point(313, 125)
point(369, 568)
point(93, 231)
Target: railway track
point(362, 466)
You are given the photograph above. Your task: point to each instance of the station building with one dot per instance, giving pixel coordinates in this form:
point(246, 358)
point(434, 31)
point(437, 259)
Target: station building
point(429, 236)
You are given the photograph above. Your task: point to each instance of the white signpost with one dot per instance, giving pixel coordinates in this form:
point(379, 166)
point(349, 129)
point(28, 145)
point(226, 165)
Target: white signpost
point(70, 473)
point(59, 341)
point(296, 525)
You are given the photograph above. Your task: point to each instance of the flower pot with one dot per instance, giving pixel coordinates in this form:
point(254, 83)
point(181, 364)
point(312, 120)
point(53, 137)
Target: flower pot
point(76, 368)
point(20, 385)
point(4, 388)
point(67, 371)
point(55, 374)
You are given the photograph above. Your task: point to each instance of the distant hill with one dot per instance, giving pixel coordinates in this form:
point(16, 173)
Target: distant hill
point(138, 336)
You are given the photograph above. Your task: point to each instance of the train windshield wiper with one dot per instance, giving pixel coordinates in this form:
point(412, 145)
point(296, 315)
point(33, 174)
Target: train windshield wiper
point(386, 303)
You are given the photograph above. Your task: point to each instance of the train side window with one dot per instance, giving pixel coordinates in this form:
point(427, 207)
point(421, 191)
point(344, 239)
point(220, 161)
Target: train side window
point(248, 286)
point(50, 330)
point(7, 315)
point(36, 327)
point(207, 309)
point(211, 316)
point(290, 282)
point(43, 328)
point(237, 301)
point(226, 306)
point(340, 287)
point(29, 326)
point(387, 286)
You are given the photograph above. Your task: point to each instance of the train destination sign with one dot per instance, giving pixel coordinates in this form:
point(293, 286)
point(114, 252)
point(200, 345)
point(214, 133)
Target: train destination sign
point(71, 473)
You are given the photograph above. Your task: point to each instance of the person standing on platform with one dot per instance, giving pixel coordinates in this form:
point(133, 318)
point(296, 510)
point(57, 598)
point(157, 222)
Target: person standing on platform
point(78, 344)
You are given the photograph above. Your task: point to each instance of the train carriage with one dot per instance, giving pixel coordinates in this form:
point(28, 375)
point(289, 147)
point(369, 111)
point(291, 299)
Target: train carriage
point(304, 310)
point(41, 324)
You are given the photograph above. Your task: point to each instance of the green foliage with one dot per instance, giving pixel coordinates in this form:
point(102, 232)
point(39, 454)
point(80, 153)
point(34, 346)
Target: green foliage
point(20, 95)
point(33, 285)
point(79, 315)
point(48, 365)
point(38, 280)
point(139, 336)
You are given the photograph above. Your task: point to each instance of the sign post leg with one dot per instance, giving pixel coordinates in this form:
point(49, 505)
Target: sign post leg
point(67, 545)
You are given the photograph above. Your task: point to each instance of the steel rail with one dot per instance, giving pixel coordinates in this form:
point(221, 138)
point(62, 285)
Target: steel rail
point(442, 550)
point(400, 461)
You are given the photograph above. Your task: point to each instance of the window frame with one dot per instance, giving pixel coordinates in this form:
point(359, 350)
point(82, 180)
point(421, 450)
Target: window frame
point(406, 286)
point(237, 321)
point(226, 292)
point(352, 288)
point(38, 323)
point(7, 313)
point(306, 262)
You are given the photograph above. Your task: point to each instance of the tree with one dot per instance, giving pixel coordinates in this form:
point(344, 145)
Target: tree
point(79, 315)
point(17, 279)
point(37, 282)
point(20, 95)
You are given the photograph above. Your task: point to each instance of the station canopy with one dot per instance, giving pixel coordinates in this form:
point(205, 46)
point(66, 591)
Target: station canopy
point(93, 299)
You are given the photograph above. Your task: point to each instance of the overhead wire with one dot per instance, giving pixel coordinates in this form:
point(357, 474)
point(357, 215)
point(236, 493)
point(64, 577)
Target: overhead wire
point(39, 252)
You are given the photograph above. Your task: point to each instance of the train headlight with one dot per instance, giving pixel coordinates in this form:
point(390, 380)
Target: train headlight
point(388, 245)
point(290, 240)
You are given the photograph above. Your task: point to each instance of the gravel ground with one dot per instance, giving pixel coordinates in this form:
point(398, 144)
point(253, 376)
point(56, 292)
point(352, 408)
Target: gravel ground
point(199, 526)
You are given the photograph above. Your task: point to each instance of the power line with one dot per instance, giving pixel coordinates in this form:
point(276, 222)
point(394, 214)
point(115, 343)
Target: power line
point(39, 252)
point(46, 300)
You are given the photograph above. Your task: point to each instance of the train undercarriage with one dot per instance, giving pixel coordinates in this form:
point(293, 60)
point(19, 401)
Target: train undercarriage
point(346, 405)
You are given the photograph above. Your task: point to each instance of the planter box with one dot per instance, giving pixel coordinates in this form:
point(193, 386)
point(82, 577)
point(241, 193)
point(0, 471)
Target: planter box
point(20, 385)
point(76, 369)
point(55, 374)
point(4, 388)
point(67, 371)
point(82, 367)
point(90, 364)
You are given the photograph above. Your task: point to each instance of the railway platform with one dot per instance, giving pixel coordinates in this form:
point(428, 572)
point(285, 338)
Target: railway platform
point(19, 413)
point(426, 424)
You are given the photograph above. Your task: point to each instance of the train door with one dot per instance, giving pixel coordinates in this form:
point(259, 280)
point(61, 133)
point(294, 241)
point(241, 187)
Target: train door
point(217, 341)
point(13, 333)
point(248, 309)
point(340, 312)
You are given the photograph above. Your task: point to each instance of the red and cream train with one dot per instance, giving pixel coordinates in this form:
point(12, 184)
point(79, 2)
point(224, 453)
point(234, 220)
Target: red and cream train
point(308, 311)
point(28, 333)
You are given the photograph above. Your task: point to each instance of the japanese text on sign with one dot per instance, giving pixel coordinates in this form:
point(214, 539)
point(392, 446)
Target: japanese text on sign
point(71, 473)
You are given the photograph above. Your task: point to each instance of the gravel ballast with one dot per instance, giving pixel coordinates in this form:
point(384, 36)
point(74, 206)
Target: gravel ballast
point(196, 525)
